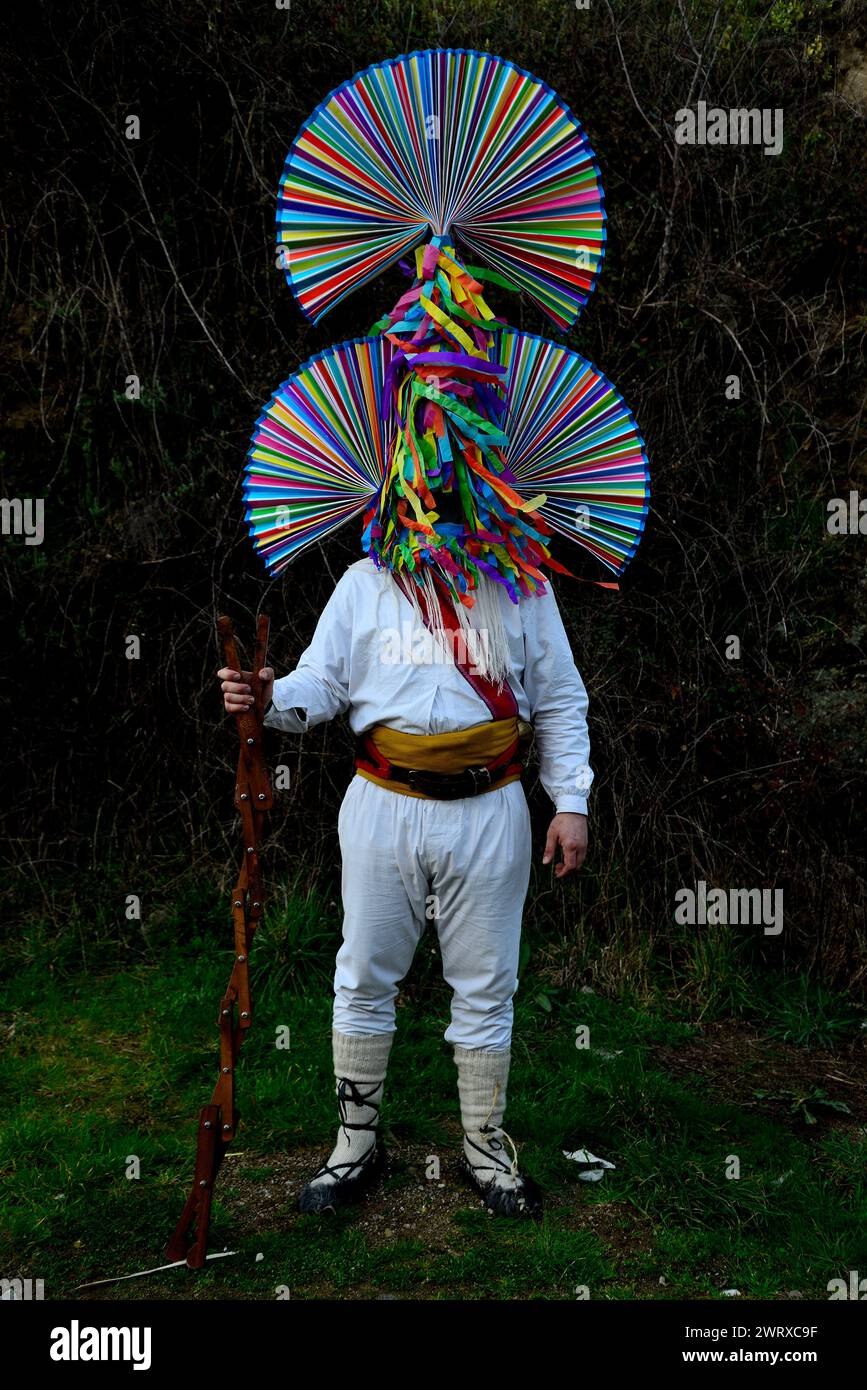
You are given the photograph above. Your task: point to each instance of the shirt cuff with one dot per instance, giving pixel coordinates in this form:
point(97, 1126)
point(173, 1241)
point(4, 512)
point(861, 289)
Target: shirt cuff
point(288, 721)
point(571, 804)
point(281, 713)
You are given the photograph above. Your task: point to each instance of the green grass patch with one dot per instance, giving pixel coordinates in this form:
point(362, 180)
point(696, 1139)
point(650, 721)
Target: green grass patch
point(104, 1069)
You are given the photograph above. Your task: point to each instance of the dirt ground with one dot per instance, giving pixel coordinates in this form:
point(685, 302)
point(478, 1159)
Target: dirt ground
point(731, 1062)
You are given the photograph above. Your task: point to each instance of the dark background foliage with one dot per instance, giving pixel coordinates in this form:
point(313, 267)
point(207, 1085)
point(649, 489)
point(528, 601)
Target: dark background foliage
point(155, 257)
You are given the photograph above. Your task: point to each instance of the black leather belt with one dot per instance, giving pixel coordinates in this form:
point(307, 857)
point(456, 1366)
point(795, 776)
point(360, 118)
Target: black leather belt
point(445, 786)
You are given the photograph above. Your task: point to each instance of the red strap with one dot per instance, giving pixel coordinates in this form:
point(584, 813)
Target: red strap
point(500, 701)
point(368, 756)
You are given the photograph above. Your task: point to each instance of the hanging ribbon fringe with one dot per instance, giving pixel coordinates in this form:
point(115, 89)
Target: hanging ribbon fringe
point(446, 394)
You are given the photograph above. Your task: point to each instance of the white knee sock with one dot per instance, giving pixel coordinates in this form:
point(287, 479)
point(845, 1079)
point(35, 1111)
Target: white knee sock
point(360, 1064)
point(482, 1081)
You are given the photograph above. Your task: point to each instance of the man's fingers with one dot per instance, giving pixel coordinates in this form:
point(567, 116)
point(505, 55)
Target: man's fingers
point(570, 833)
point(236, 688)
point(237, 696)
point(570, 858)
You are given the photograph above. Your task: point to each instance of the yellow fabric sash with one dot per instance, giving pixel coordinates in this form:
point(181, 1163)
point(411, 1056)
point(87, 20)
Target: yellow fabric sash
point(452, 752)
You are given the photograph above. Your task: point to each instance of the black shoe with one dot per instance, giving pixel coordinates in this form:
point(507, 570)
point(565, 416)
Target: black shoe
point(524, 1200)
point(344, 1191)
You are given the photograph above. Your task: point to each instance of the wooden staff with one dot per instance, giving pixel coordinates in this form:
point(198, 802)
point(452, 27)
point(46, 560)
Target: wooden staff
point(218, 1121)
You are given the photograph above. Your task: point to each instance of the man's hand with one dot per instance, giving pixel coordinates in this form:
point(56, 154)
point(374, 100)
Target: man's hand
point(237, 695)
point(568, 829)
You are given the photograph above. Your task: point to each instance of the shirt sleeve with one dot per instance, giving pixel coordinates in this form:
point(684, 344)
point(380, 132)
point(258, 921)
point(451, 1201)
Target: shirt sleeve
point(318, 688)
point(558, 705)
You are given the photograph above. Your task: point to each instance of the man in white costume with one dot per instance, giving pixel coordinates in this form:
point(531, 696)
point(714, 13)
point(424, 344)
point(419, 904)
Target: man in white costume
point(422, 837)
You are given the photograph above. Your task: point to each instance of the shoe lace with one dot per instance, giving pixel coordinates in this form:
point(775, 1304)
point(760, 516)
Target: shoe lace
point(498, 1132)
point(350, 1091)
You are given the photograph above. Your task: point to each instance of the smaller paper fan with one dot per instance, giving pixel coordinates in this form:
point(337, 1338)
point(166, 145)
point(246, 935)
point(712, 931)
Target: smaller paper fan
point(572, 436)
point(318, 451)
point(321, 446)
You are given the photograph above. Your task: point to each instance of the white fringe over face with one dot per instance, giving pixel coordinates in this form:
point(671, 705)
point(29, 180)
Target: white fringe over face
point(482, 642)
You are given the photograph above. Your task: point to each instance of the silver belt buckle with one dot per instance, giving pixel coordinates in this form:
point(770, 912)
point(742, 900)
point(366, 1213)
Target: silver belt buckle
point(475, 774)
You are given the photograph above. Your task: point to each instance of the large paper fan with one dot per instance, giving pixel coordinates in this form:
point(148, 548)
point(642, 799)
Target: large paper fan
point(442, 141)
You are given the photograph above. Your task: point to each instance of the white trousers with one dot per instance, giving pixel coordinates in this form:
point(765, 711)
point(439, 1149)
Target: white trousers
point(463, 866)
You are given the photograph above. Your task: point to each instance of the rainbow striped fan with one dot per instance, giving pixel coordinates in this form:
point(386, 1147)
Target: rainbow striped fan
point(446, 141)
point(321, 447)
point(572, 436)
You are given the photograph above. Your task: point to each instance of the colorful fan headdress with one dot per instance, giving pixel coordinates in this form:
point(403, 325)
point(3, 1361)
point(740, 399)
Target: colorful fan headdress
point(463, 443)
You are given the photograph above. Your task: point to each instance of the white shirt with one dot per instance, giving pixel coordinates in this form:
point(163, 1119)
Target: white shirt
point(367, 656)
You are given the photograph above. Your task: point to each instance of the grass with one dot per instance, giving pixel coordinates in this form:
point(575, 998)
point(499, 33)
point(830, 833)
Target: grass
point(103, 1069)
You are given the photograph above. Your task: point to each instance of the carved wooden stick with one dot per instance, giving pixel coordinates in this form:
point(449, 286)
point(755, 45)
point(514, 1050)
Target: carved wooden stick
point(218, 1121)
